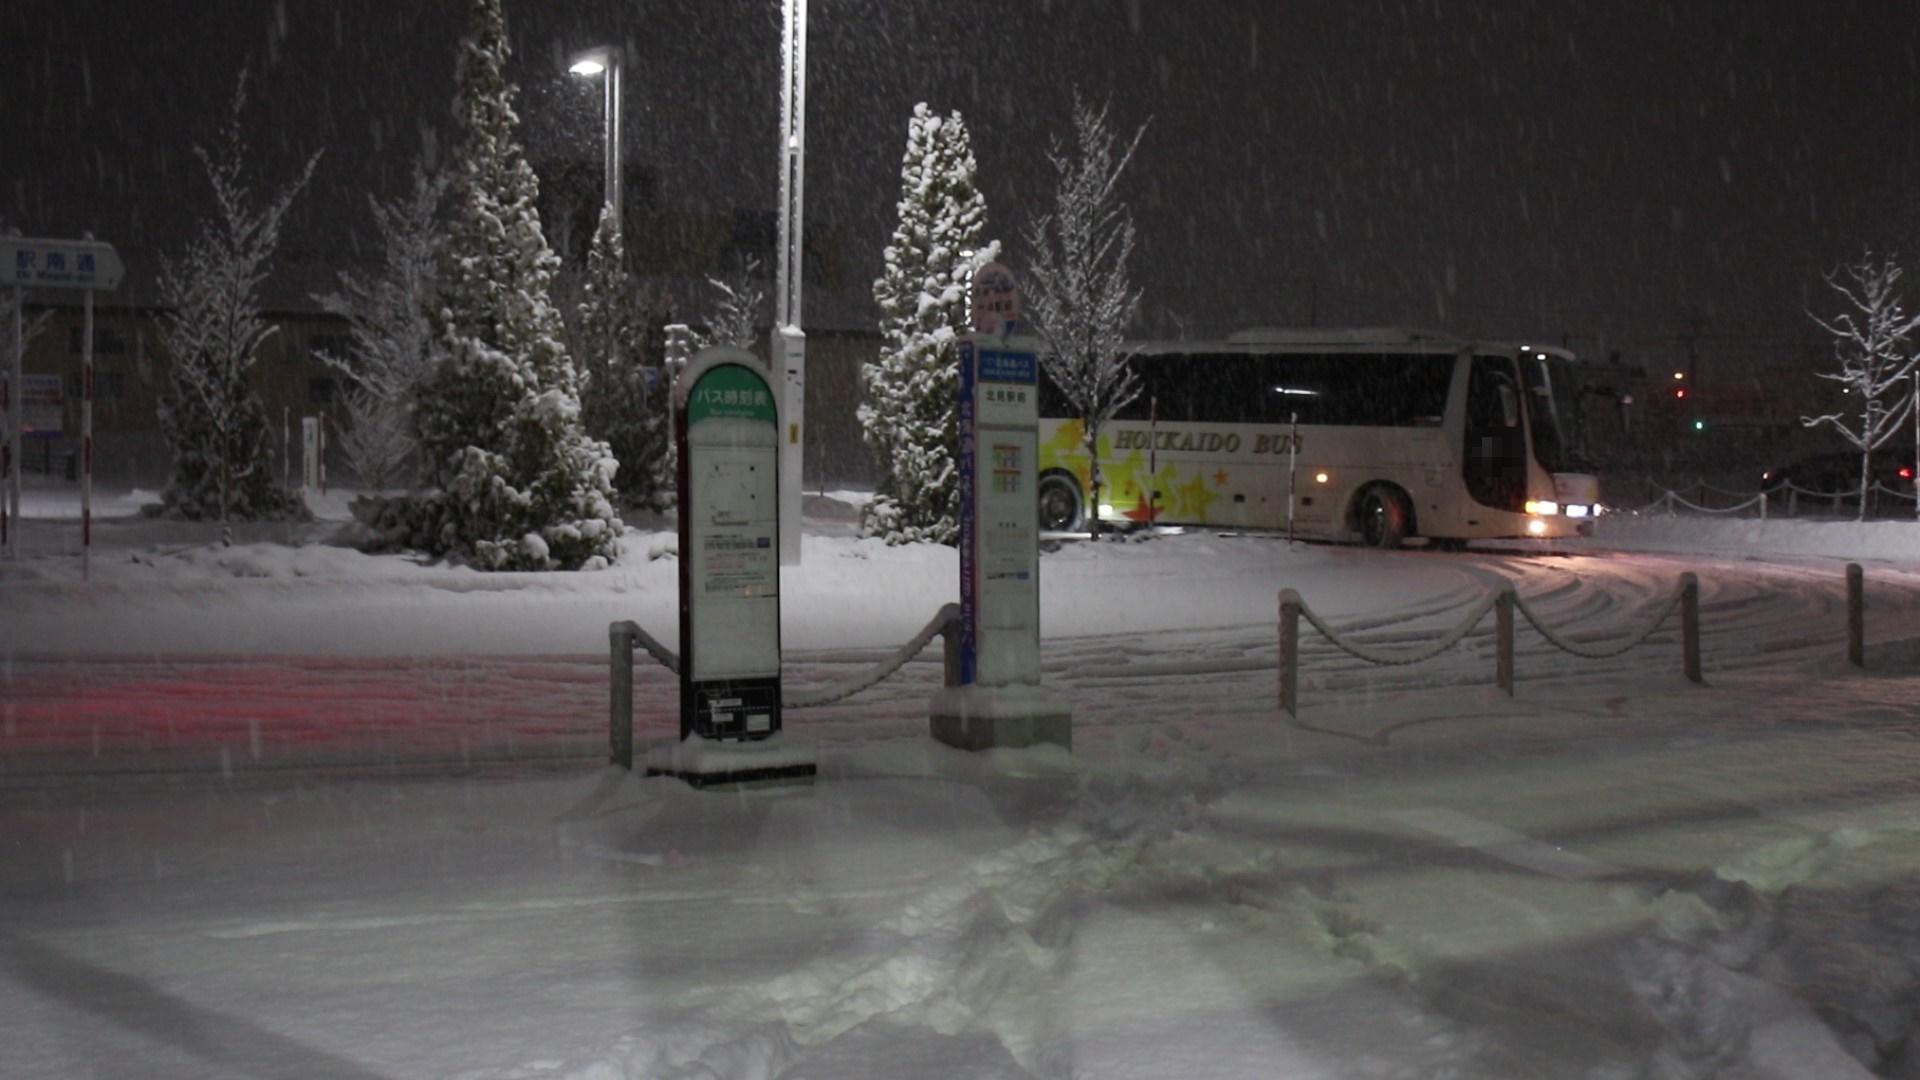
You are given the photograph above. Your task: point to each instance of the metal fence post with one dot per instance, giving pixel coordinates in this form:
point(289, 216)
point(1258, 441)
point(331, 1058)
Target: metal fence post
point(1503, 606)
point(1856, 615)
point(1690, 626)
point(620, 637)
point(1290, 652)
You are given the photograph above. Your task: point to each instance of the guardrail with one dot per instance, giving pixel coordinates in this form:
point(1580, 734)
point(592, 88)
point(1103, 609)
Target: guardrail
point(625, 636)
point(1504, 603)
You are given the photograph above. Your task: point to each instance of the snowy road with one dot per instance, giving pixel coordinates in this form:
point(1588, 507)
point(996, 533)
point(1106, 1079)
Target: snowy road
point(228, 857)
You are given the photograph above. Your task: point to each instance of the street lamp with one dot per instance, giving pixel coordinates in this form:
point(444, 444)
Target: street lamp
point(605, 60)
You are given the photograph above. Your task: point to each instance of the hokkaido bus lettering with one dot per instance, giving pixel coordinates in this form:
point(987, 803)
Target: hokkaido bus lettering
point(1176, 440)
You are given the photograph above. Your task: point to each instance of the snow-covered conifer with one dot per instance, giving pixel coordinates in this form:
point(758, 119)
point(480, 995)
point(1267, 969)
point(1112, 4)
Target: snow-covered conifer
point(212, 331)
point(521, 486)
point(623, 384)
point(389, 334)
point(1078, 291)
point(910, 417)
point(1872, 343)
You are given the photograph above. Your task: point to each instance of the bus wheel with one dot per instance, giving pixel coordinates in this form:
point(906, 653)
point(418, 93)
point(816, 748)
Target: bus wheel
point(1385, 517)
point(1061, 507)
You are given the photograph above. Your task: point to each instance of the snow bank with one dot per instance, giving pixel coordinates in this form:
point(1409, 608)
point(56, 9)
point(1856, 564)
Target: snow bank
point(1736, 537)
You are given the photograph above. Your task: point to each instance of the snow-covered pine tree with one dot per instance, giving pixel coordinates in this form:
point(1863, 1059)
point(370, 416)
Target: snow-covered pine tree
point(389, 334)
point(520, 485)
point(212, 330)
point(910, 417)
point(1872, 343)
point(1077, 286)
point(623, 385)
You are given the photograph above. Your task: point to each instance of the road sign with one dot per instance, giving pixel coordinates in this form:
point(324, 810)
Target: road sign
point(1000, 701)
point(50, 264)
point(996, 300)
point(43, 405)
point(60, 264)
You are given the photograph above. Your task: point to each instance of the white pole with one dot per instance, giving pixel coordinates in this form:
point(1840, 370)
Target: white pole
point(788, 344)
point(1293, 469)
point(1153, 460)
point(614, 195)
point(16, 417)
point(1916, 444)
point(86, 445)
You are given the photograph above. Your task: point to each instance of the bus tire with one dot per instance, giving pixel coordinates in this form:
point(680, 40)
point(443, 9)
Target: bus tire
point(1385, 517)
point(1062, 507)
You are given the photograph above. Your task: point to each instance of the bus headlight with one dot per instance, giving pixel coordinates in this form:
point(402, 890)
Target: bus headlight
point(1577, 510)
point(1543, 507)
point(1536, 527)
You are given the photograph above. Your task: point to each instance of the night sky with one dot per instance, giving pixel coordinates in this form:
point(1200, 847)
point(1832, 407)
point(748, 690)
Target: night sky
point(1631, 170)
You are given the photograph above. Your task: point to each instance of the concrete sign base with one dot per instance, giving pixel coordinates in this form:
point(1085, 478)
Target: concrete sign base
point(978, 717)
point(703, 762)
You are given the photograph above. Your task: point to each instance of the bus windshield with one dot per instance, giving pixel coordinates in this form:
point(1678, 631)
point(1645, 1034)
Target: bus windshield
point(1552, 408)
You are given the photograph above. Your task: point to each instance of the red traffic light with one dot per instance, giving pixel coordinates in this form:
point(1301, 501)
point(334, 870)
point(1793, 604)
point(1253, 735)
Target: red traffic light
point(1679, 392)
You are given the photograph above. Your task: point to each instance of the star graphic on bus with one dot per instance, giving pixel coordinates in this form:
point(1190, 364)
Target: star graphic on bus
point(1192, 499)
point(1220, 478)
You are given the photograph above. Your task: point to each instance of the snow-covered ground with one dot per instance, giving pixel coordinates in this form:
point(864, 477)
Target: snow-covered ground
point(282, 809)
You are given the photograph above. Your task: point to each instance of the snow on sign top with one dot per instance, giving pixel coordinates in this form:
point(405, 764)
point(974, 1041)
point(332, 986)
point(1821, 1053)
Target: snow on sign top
point(996, 299)
point(60, 264)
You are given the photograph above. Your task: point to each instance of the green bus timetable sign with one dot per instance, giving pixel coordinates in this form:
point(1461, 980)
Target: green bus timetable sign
point(730, 392)
point(729, 429)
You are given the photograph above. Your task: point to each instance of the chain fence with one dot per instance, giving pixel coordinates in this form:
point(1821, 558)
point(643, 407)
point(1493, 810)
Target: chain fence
point(1785, 498)
point(625, 636)
point(1505, 603)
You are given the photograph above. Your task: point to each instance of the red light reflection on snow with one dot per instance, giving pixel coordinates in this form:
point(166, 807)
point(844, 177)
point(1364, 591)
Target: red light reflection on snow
point(262, 708)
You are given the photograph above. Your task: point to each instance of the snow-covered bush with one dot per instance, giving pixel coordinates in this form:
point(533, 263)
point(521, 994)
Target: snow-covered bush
point(212, 331)
point(624, 390)
point(910, 417)
point(736, 318)
point(520, 485)
point(389, 335)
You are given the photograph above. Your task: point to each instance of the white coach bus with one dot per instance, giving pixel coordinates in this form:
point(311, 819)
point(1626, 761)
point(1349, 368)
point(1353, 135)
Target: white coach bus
point(1376, 435)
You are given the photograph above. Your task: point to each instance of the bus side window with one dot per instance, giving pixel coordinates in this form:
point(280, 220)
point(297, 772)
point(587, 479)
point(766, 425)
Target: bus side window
point(1168, 381)
point(1509, 404)
point(1226, 389)
point(1293, 385)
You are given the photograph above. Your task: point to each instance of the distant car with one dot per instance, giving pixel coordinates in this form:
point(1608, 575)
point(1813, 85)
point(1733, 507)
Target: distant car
point(1839, 473)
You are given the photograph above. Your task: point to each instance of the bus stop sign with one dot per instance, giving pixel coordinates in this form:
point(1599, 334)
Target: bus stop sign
point(728, 431)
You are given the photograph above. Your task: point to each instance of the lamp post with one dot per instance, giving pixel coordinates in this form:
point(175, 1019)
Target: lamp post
point(789, 344)
point(605, 60)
